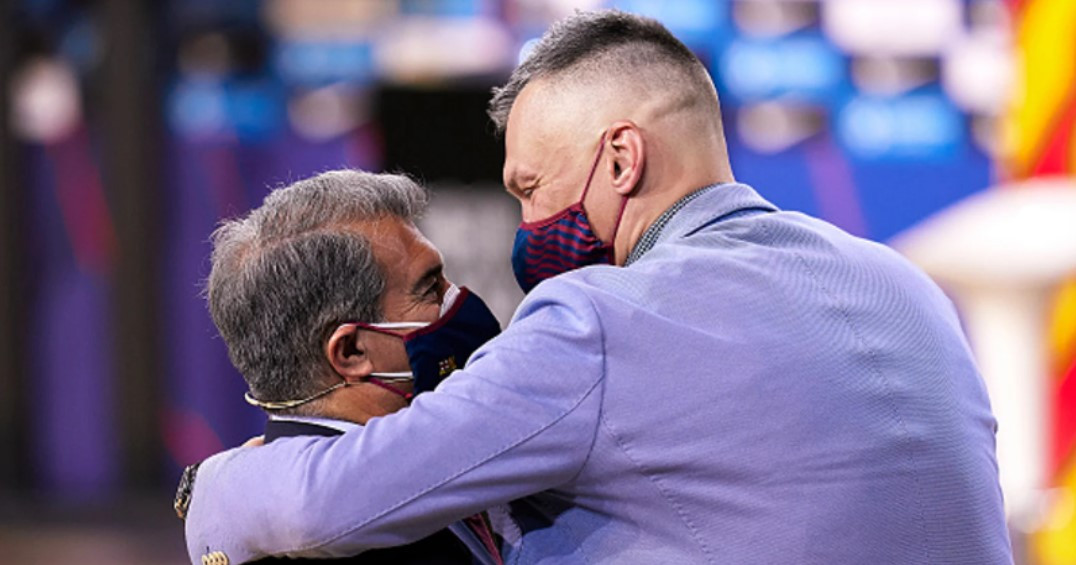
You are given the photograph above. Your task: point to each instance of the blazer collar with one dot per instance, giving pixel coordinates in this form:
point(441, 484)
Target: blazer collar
point(280, 427)
point(699, 209)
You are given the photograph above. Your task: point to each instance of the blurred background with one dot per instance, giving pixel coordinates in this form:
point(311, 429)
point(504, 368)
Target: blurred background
point(128, 129)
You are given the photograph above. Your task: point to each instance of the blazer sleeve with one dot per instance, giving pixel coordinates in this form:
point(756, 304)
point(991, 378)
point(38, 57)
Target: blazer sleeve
point(520, 418)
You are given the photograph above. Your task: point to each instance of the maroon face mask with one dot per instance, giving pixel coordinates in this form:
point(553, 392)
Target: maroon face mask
point(561, 242)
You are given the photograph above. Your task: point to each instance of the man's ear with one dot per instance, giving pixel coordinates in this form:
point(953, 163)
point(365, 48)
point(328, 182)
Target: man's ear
point(346, 353)
point(627, 151)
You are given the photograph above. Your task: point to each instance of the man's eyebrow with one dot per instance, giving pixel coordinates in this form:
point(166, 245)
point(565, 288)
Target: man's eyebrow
point(517, 179)
point(432, 273)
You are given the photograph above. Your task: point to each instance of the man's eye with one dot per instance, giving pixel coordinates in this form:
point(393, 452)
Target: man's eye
point(433, 292)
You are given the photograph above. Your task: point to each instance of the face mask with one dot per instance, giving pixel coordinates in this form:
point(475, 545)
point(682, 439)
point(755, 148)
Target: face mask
point(561, 242)
point(437, 349)
point(434, 350)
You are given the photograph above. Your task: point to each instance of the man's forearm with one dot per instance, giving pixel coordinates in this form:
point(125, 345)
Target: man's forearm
point(501, 429)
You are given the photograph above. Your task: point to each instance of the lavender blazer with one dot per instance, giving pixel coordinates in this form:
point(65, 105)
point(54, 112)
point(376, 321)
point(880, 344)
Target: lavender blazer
point(758, 387)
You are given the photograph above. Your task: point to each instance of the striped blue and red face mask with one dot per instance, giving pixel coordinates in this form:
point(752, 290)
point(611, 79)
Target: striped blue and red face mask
point(561, 242)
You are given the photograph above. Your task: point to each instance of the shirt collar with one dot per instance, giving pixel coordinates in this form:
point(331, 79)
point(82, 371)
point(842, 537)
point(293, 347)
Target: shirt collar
point(696, 210)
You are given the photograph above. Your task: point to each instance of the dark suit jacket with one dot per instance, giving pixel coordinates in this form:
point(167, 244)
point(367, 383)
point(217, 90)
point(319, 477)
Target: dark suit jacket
point(441, 548)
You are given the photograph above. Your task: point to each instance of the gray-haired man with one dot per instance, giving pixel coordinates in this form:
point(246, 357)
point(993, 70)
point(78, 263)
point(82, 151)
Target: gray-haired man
point(319, 295)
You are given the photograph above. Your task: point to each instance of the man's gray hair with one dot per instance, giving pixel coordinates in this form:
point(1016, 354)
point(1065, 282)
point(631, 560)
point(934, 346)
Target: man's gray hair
point(604, 40)
point(286, 275)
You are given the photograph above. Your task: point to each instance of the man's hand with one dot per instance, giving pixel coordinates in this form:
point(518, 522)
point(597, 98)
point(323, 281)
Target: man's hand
point(256, 441)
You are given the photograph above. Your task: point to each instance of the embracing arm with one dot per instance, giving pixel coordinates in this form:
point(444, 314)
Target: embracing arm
point(519, 419)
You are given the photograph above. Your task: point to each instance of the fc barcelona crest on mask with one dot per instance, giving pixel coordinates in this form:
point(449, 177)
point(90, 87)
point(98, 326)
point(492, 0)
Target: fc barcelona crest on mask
point(446, 366)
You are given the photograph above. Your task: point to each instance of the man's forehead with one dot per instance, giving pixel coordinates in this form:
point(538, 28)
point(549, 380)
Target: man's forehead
point(378, 229)
point(533, 108)
point(522, 135)
point(521, 124)
point(392, 238)
point(401, 248)
point(537, 124)
point(558, 111)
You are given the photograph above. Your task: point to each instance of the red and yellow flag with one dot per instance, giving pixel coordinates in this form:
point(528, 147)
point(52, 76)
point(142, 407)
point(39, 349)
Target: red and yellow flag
point(1039, 139)
point(1055, 543)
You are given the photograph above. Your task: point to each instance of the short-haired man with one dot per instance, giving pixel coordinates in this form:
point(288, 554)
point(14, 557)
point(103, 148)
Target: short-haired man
point(737, 384)
point(315, 293)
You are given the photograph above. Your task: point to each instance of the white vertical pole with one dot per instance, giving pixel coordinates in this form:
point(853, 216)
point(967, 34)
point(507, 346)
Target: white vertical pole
point(1007, 327)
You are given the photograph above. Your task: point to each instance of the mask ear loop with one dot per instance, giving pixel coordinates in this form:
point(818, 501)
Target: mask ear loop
point(623, 199)
point(377, 381)
point(616, 226)
point(593, 169)
point(383, 379)
point(392, 326)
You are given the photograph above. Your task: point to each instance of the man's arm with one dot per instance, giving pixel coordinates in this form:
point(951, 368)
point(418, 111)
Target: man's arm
point(519, 419)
